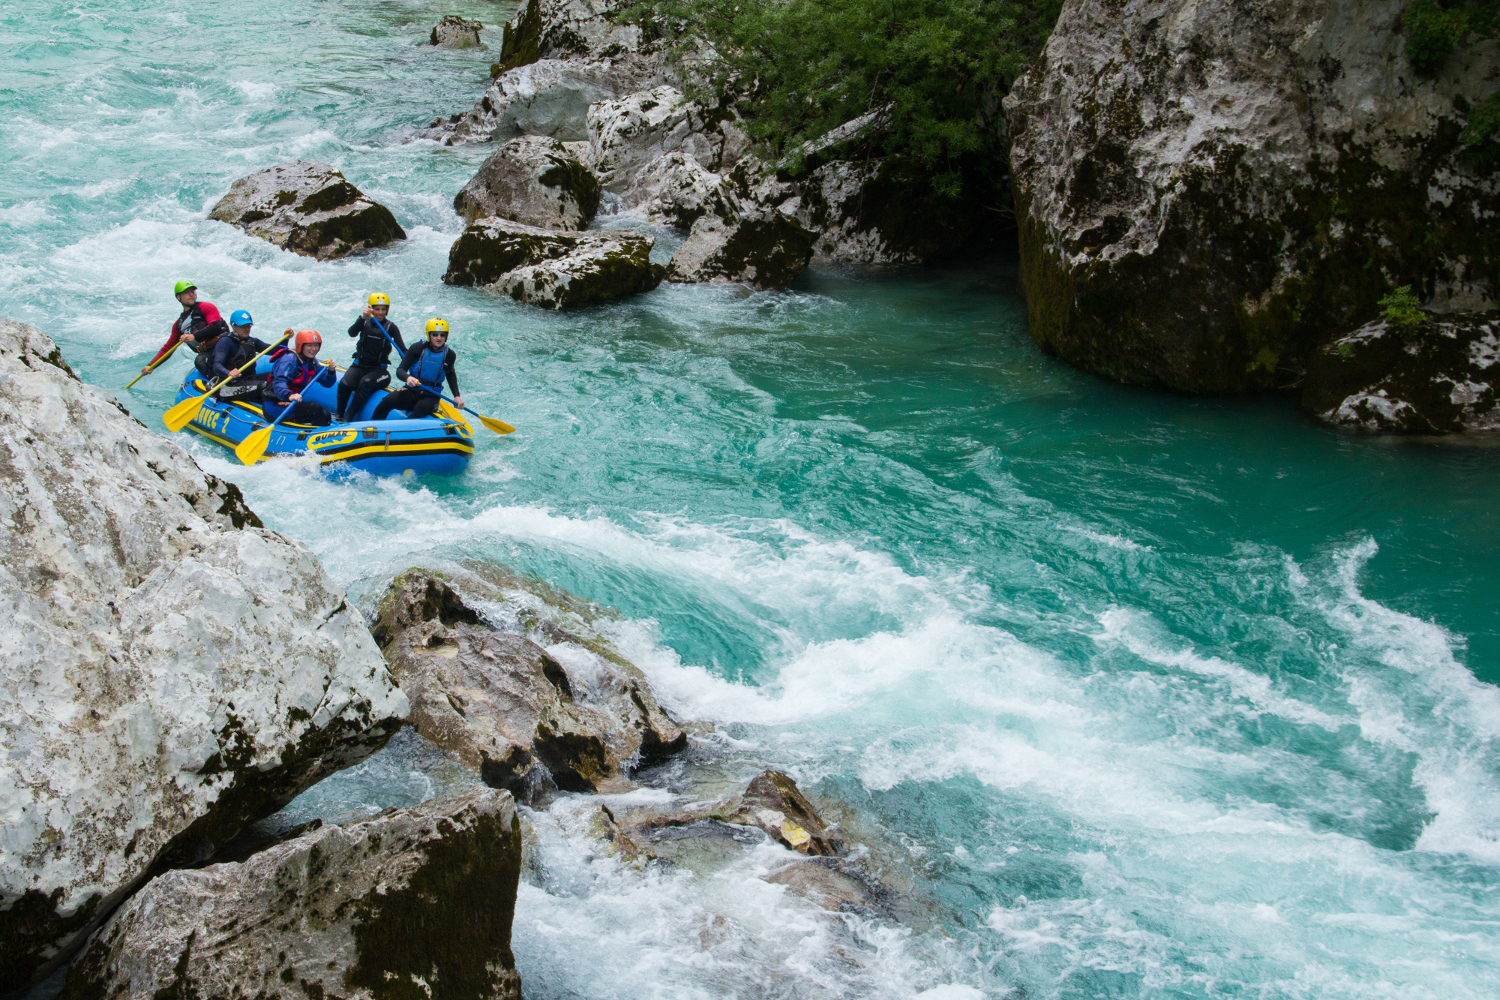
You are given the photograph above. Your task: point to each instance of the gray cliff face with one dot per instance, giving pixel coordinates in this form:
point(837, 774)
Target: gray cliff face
point(551, 269)
point(1441, 377)
point(535, 181)
point(510, 709)
point(415, 902)
point(308, 208)
point(170, 670)
point(1206, 189)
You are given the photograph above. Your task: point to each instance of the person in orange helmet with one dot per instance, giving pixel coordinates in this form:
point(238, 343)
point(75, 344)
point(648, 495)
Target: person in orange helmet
point(294, 371)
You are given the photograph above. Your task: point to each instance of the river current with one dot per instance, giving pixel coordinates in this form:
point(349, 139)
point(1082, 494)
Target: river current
point(1134, 694)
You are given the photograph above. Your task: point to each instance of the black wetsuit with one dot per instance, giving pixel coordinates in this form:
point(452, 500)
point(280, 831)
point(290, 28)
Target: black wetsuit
point(418, 402)
point(368, 372)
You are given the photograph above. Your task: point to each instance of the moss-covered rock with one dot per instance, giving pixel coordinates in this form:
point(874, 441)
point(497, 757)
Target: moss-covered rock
point(532, 180)
point(308, 208)
point(1206, 191)
point(526, 720)
point(767, 250)
point(552, 269)
point(1438, 376)
point(415, 903)
point(454, 32)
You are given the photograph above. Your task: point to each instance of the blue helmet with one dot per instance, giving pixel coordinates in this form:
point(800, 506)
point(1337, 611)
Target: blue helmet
point(240, 318)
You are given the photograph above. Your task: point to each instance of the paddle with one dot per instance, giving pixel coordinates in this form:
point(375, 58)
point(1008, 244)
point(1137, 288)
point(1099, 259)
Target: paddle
point(155, 365)
point(182, 414)
point(498, 426)
point(256, 442)
point(450, 409)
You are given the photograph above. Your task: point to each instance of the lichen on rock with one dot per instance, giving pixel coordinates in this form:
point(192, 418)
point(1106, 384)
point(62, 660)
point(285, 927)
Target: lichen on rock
point(533, 180)
point(1206, 191)
point(172, 669)
point(308, 208)
point(415, 902)
point(552, 269)
point(527, 719)
point(454, 32)
point(763, 251)
point(1441, 377)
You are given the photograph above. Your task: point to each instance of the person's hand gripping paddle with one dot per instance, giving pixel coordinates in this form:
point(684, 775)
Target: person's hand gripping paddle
point(182, 414)
point(153, 368)
point(451, 410)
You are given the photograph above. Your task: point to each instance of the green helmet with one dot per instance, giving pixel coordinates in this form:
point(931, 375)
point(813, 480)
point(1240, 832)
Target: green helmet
point(183, 286)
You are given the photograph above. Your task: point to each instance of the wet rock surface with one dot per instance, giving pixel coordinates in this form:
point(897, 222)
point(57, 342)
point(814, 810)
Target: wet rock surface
point(764, 251)
point(454, 32)
point(770, 803)
point(308, 208)
point(172, 670)
point(414, 902)
point(535, 181)
point(552, 269)
point(1207, 190)
point(527, 719)
point(1441, 377)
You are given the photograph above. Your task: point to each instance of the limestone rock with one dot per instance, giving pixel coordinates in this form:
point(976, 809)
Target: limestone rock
point(308, 208)
point(454, 32)
point(825, 883)
point(877, 211)
point(551, 269)
point(765, 251)
point(771, 803)
point(1441, 378)
point(512, 710)
point(558, 57)
point(170, 670)
point(1205, 189)
point(532, 180)
point(414, 902)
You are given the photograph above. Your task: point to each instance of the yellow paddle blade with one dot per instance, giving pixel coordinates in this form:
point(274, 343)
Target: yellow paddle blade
point(498, 426)
point(182, 414)
point(453, 413)
point(254, 445)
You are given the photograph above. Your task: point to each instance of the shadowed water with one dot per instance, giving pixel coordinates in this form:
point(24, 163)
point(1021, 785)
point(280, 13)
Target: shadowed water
point(1136, 695)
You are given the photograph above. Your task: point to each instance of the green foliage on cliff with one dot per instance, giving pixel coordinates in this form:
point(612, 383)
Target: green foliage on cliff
point(1435, 28)
point(934, 69)
point(1403, 312)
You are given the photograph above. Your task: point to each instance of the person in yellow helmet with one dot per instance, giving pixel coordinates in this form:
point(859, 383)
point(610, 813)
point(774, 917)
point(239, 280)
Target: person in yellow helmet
point(369, 370)
point(422, 369)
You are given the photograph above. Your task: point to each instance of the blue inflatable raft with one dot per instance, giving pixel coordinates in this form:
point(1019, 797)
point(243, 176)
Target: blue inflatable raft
point(391, 447)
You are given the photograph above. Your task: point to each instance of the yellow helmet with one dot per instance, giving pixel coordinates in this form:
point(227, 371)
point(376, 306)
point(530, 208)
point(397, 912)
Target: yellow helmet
point(380, 300)
point(437, 326)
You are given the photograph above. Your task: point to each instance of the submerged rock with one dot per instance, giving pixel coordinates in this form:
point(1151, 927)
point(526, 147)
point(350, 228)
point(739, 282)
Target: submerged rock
point(766, 251)
point(558, 57)
point(1441, 377)
point(535, 181)
point(172, 670)
point(416, 902)
point(308, 208)
point(771, 803)
point(454, 32)
point(510, 709)
point(550, 269)
point(1205, 189)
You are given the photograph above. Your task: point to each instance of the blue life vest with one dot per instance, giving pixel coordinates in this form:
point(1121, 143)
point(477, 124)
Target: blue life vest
point(429, 367)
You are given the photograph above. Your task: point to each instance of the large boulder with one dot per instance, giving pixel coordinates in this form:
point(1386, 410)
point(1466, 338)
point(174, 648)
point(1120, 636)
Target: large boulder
point(525, 718)
point(558, 57)
point(454, 32)
point(532, 180)
point(1206, 188)
point(1439, 375)
point(308, 208)
point(415, 902)
point(551, 269)
point(170, 670)
point(763, 251)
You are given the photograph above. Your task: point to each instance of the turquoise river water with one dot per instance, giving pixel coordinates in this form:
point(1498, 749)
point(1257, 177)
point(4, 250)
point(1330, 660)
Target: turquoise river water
point(1141, 695)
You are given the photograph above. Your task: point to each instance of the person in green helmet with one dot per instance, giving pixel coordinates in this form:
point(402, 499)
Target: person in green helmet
point(199, 326)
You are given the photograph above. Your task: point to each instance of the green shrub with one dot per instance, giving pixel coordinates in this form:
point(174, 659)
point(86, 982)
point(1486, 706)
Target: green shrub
point(935, 68)
point(1403, 313)
point(1434, 28)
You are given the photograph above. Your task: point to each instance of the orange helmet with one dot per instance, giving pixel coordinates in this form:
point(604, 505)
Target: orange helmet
point(305, 337)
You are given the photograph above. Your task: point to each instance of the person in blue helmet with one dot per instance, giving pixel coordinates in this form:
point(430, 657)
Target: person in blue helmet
point(424, 367)
point(294, 371)
point(235, 350)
